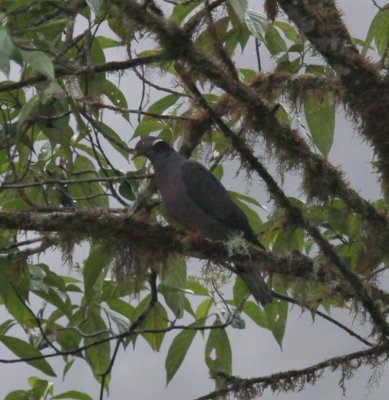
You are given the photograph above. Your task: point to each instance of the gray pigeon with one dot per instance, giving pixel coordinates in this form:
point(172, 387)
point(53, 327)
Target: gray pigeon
point(196, 200)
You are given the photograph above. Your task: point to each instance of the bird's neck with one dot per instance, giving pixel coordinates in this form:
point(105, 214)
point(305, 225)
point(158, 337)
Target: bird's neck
point(163, 162)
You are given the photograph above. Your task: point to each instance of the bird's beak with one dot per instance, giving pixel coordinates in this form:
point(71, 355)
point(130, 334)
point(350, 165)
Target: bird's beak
point(135, 154)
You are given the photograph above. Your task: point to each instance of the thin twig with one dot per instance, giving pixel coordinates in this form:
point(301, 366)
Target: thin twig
point(128, 176)
point(19, 244)
point(322, 315)
point(96, 103)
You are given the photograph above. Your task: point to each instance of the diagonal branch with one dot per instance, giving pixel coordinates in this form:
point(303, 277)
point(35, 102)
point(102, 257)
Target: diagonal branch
point(321, 178)
point(367, 91)
point(296, 379)
point(295, 215)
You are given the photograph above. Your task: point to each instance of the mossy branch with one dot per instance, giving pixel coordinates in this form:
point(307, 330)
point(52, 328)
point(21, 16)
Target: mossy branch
point(321, 179)
point(367, 91)
point(295, 380)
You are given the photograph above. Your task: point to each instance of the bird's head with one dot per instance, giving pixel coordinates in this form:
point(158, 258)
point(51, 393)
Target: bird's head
point(150, 147)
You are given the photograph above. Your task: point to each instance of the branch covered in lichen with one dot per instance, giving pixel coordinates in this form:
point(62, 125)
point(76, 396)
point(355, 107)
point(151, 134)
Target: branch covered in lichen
point(296, 380)
point(367, 92)
point(321, 179)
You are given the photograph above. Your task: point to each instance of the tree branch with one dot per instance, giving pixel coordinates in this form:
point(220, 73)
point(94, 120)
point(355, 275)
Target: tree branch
point(107, 67)
point(127, 176)
point(296, 216)
point(367, 92)
point(321, 178)
point(296, 379)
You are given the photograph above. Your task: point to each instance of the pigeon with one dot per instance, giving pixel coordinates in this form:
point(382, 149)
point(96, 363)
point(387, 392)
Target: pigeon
point(197, 201)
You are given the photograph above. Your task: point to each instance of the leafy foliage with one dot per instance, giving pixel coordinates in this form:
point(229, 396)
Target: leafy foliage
point(65, 133)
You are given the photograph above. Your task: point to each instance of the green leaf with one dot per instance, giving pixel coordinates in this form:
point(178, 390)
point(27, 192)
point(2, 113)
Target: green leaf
point(173, 272)
point(6, 325)
point(126, 191)
point(282, 115)
point(188, 307)
point(248, 199)
point(7, 46)
point(275, 43)
point(98, 356)
point(320, 115)
point(122, 322)
point(248, 74)
point(203, 308)
point(288, 31)
point(182, 10)
point(173, 283)
point(107, 43)
point(116, 96)
point(277, 313)
point(355, 226)
point(56, 298)
point(50, 30)
point(177, 352)
point(240, 290)
point(253, 217)
point(27, 109)
point(19, 395)
point(379, 31)
point(156, 319)
point(174, 298)
point(95, 270)
point(40, 387)
point(238, 322)
point(114, 139)
point(315, 69)
point(239, 7)
point(12, 99)
point(68, 365)
point(160, 106)
point(147, 126)
point(73, 394)
point(82, 163)
point(122, 307)
point(257, 24)
point(288, 241)
point(196, 287)
point(25, 350)
point(6, 49)
point(17, 4)
point(256, 313)
point(218, 354)
point(39, 61)
point(94, 5)
point(68, 340)
point(61, 135)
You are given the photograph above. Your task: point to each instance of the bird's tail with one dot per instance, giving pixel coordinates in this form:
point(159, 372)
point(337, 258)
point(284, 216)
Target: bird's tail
point(255, 283)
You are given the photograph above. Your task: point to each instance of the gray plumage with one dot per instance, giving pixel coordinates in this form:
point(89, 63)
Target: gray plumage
point(195, 199)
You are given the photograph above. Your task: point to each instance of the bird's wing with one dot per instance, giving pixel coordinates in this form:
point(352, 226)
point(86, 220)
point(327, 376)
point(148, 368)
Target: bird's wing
point(211, 196)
